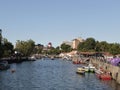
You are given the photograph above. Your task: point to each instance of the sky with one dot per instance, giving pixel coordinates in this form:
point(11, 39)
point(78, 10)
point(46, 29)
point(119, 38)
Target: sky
point(56, 21)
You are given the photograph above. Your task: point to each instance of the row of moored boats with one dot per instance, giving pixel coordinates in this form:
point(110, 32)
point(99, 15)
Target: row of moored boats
point(100, 73)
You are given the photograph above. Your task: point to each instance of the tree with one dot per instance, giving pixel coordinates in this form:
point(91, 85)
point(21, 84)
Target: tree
point(88, 45)
point(115, 49)
point(82, 47)
point(66, 48)
point(54, 51)
point(25, 47)
point(7, 48)
point(1, 51)
point(97, 46)
point(104, 46)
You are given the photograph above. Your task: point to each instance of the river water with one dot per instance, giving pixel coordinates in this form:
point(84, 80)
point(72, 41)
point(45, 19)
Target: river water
point(51, 75)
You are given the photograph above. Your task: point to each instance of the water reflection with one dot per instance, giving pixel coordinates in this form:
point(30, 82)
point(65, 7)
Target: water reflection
point(51, 75)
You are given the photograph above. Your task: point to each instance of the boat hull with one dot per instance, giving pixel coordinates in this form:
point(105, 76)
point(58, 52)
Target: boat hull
point(80, 71)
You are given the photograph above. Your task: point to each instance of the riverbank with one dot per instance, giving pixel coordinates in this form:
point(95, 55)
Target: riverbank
point(114, 70)
point(14, 59)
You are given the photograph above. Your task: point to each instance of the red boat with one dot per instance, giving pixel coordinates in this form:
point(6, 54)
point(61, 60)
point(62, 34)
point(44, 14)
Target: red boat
point(104, 76)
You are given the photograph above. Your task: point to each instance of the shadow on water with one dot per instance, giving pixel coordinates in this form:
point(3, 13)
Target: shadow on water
point(51, 75)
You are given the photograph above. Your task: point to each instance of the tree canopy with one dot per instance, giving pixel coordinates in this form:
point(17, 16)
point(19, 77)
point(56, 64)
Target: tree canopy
point(91, 45)
point(65, 48)
point(25, 47)
point(6, 48)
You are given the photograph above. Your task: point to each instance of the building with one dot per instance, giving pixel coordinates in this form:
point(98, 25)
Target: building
point(75, 42)
point(49, 45)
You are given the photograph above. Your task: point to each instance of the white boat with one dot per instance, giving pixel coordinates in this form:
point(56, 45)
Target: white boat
point(80, 70)
point(89, 68)
point(32, 58)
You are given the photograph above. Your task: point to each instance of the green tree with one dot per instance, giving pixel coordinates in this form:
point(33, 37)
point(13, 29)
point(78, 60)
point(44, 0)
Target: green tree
point(104, 46)
point(97, 47)
point(1, 50)
point(25, 47)
point(7, 48)
point(115, 49)
point(66, 48)
point(54, 51)
point(88, 45)
point(82, 47)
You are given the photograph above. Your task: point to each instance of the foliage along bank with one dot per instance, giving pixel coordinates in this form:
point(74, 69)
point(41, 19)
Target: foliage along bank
point(90, 44)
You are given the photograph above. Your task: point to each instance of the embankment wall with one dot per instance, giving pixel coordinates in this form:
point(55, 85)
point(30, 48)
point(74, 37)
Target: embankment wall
point(115, 70)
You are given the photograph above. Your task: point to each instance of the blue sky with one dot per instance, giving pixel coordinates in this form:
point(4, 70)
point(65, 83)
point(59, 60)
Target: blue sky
point(58, 20)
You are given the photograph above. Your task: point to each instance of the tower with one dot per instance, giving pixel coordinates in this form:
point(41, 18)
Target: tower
point(49, 45)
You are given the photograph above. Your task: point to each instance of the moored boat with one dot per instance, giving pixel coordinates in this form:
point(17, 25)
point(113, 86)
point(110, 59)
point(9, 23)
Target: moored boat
point(32, 58)
point(4, 65)
point(89, 68)
point(80, 71)
point(103, 75)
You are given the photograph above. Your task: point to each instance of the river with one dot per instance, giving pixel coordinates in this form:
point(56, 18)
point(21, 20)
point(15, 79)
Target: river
point(51, 75)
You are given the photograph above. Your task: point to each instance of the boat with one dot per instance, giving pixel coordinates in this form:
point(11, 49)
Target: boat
point(89, 68)
point(32, 58)
point(80, 70)
point(4, 65)
point(103, 75)
point(52, 58)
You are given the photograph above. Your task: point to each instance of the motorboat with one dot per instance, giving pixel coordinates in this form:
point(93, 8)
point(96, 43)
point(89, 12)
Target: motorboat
point(80, 70)
point(103, 75)
point(89, 68)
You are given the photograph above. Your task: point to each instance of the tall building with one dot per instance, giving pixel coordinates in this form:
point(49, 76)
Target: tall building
point(75, 42)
